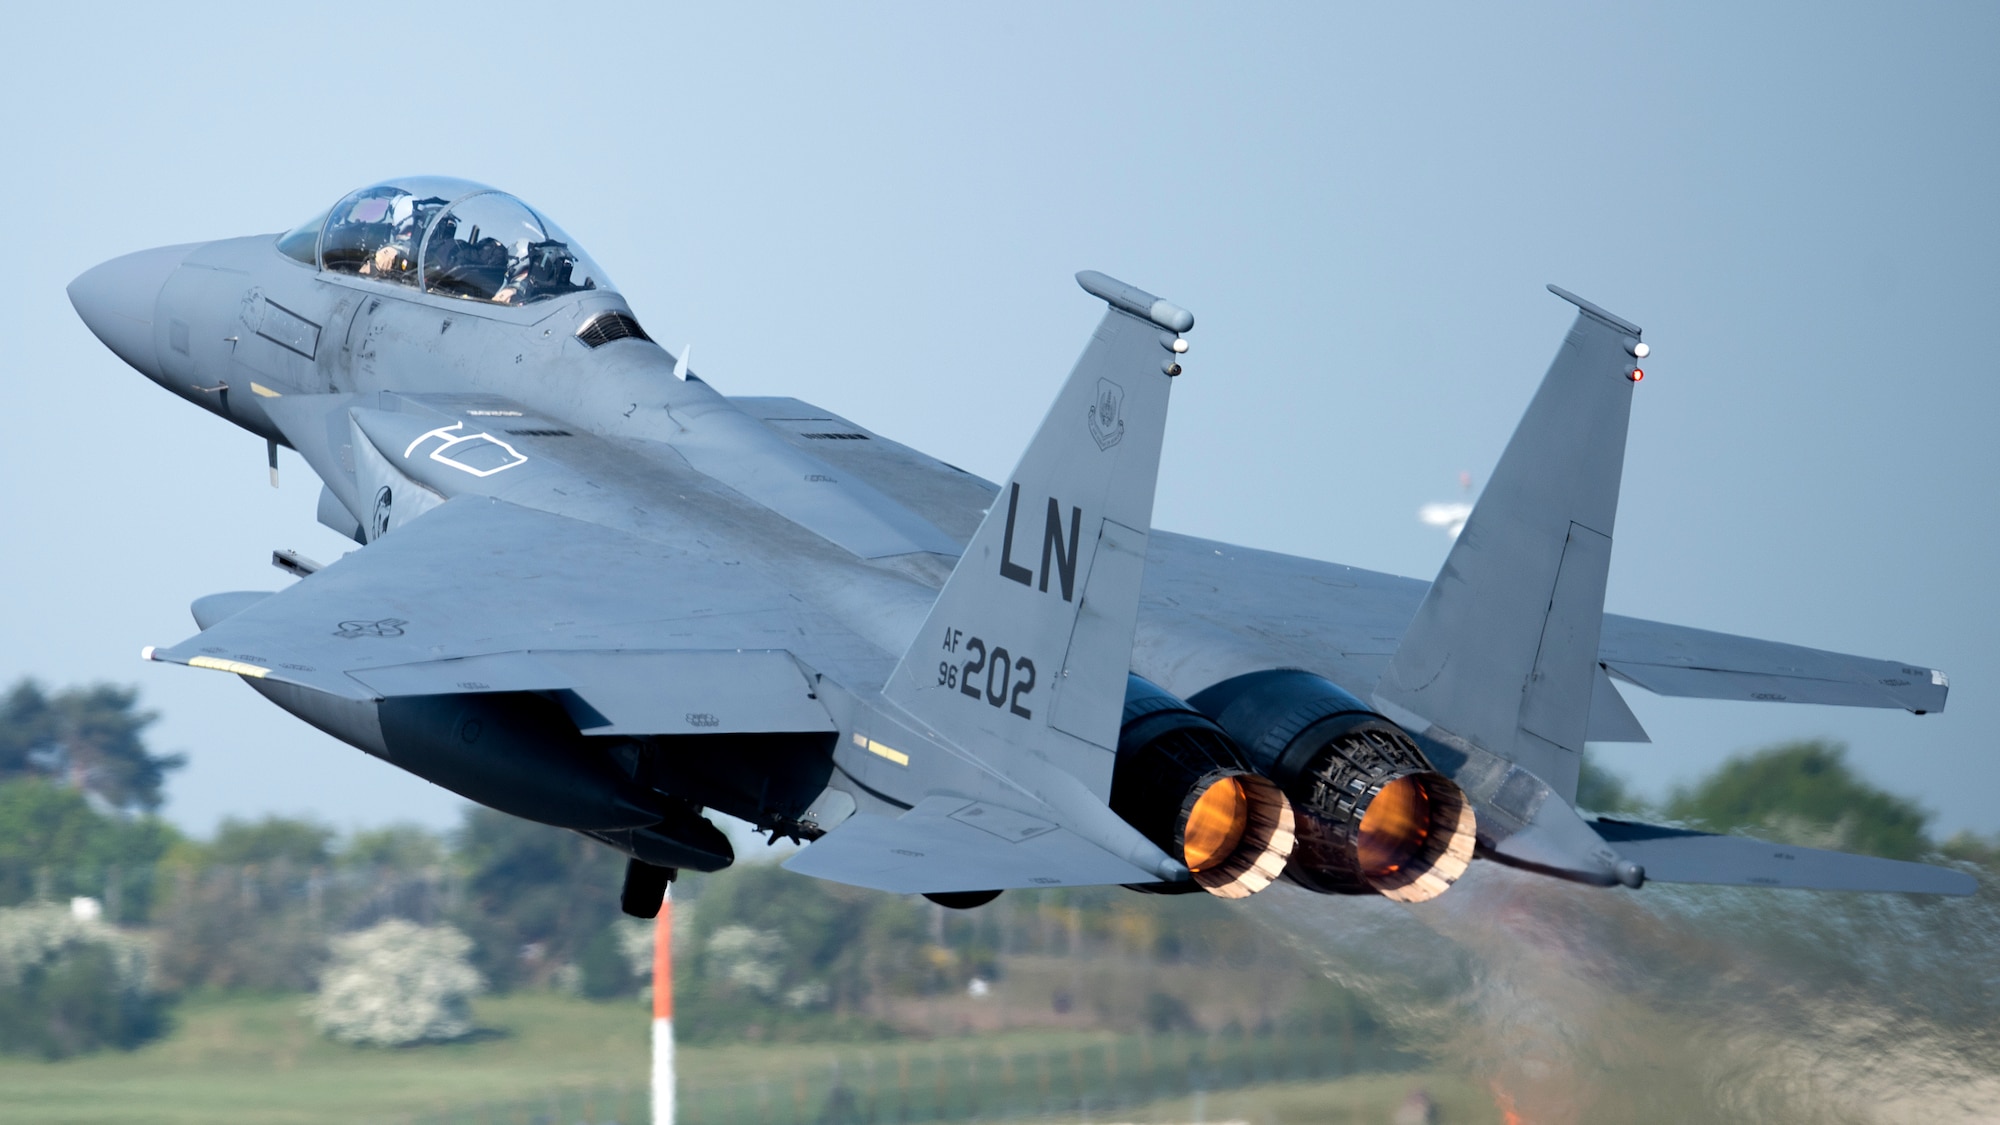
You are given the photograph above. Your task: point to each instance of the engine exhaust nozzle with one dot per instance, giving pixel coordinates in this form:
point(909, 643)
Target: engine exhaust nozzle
point(1368, 821)
point(1374, 816)
point(1183, 783)
point(1236, 833)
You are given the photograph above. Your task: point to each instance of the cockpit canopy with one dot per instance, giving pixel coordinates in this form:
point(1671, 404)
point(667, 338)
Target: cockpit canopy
point(451, 237)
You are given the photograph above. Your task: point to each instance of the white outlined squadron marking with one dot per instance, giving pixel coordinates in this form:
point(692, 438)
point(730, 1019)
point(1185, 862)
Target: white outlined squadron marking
point(444, 434)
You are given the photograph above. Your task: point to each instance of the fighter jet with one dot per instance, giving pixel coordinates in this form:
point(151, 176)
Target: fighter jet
point(596, 592)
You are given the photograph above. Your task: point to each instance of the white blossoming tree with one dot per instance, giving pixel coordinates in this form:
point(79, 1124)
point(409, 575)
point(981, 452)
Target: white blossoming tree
point(70, 983)
point(748, 958)
point(398, 983)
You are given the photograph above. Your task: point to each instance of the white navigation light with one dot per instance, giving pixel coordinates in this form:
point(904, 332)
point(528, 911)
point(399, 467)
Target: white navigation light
point(1641, 351)
point(1179, 346)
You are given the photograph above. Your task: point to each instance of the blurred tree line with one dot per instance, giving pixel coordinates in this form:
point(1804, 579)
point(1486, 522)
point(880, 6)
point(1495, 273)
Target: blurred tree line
point(74, 771)
point(760, 952)
point(90, 738)
point(1802, 792)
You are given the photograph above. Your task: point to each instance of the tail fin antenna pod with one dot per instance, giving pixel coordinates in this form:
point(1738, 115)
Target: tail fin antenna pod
point(1503, 650)
point(1028, 645)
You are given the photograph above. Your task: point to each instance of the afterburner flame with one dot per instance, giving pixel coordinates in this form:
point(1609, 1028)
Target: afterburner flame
point(1394, 828)
point(1237, 833)
point(1215, 825)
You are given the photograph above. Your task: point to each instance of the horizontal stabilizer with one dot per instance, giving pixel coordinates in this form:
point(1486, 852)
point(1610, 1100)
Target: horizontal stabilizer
point(954, 844)
point(1675, 660)
point(1674, 855)
point(214, 608)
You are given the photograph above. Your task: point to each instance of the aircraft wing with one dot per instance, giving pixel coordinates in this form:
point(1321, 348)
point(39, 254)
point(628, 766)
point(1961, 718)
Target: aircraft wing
point(1346, 622)
point(948, 496)
point(481, 595)
point(1674, 855)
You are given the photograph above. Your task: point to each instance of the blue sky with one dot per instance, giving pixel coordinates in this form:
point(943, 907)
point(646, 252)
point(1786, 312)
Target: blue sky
point(880, 210)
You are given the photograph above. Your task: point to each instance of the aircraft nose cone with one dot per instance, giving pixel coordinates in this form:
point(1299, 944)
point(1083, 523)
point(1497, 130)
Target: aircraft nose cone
point(116, 301)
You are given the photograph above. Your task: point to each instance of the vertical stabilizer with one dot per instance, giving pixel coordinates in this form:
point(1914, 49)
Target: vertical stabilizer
point(1028, 645)
point(1503, 651)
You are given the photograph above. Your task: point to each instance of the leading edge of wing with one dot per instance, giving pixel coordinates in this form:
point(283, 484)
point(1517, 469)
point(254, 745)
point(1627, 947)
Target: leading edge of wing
point(481, 595)
point(1345, 621)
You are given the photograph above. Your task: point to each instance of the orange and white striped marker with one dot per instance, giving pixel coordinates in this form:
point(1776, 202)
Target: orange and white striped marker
point(663, 1011)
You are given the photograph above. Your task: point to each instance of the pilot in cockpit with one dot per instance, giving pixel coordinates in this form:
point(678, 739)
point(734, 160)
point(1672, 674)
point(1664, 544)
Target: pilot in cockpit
point(467, 241)
point(383, 260)
point(396, 259)
point(543, 269)
point(459, 261)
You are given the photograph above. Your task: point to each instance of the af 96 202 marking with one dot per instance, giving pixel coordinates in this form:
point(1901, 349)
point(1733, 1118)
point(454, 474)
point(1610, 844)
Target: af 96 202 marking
point(990, 674)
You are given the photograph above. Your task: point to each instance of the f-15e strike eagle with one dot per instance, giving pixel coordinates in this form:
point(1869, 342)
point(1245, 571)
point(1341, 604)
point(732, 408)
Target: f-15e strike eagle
point(597, 593)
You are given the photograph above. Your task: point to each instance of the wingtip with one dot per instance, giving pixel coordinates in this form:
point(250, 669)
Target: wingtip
point(1922, 698)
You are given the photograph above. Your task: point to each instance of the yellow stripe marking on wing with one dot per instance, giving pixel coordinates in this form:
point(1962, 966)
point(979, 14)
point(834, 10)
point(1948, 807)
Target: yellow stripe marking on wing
point(236, 666)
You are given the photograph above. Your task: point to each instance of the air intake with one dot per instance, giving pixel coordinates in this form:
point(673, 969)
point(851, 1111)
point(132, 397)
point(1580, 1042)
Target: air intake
point(603, 328)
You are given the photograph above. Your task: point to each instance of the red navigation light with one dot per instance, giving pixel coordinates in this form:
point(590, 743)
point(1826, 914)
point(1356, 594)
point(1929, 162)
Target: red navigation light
point(1637, 374)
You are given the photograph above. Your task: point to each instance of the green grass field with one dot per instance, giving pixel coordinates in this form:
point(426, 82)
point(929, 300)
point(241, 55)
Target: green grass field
point(552, 1058)
point(259, 1060)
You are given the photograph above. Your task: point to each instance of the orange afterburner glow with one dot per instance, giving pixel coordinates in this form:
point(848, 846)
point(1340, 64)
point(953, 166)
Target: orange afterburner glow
point(1394, 827)
point(1215, 825)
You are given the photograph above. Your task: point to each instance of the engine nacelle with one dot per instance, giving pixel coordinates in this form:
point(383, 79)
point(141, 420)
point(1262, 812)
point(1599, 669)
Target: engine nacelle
point(1375, 817)
point(1183, 784)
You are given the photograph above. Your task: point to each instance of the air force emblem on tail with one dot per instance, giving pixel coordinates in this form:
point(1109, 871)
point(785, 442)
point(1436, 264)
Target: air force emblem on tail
point(1107, 414)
